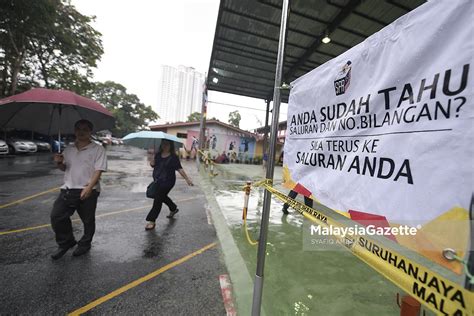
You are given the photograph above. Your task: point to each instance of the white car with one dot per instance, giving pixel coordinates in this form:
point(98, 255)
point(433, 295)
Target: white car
point(17, 145)
point(97, 142)
point(42, 146)
point(115, 141)
point(3, 147)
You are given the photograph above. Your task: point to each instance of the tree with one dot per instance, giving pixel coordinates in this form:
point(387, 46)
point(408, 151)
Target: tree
point(46, 43)
point(234, 118)
point(194, 117)
point(130, 114)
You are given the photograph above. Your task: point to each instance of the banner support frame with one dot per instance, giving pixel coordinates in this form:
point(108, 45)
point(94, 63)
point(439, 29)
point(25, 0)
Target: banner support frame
point(262, 244)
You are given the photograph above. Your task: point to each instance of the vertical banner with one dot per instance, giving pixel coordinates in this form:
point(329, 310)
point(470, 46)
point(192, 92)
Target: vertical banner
point(387, 127)
point(385, 130)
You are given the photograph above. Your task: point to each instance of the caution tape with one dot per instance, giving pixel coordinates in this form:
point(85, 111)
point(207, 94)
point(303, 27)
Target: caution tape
point(247, 188)
point(247, 234)
point(208, 162)
point(434, 291)
point(263, 182)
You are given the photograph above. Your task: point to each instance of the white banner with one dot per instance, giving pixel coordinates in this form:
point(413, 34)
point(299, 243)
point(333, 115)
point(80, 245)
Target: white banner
point(387, 127)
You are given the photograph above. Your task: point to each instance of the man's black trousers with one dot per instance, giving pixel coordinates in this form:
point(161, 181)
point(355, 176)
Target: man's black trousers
point(65, 205)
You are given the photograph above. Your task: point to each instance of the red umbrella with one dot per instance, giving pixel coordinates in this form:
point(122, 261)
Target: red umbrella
point(45, 111)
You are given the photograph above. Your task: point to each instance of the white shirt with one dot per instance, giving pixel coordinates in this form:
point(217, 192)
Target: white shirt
point(81, 165)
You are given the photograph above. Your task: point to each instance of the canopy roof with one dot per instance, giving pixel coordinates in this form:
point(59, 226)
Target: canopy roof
point(245, 45)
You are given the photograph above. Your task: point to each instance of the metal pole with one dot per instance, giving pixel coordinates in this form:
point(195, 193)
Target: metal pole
point(202, 126)
point(246, 200)
point(262, 244)
point(470, 260)
point(59, 131)
point(265, 135)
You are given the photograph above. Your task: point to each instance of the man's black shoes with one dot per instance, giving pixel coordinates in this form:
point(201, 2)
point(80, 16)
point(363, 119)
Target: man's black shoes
point(61, 251)
point(80, 250)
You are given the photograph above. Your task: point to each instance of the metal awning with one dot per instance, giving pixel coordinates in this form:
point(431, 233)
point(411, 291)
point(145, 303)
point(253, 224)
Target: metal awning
point(245, 45)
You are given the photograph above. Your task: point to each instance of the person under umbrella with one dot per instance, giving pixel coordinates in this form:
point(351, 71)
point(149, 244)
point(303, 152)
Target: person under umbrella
point(82, 163)
point(165, 165)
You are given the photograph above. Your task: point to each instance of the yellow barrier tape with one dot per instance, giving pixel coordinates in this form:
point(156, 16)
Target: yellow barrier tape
point(207, 161)
point(434, 291)
point(247, 234)
point(263, 182)
point(205, 157)
point(246, 189)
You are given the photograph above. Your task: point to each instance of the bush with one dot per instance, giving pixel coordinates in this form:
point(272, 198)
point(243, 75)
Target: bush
point(257, 160)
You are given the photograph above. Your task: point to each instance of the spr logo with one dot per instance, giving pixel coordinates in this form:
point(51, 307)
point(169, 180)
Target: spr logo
point(343, 79)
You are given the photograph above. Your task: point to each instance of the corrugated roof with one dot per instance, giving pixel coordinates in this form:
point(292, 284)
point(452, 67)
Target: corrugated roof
point(245, 45)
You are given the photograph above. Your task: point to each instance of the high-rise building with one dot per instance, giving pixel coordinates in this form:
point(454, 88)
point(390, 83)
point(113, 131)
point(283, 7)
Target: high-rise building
point(179, 93)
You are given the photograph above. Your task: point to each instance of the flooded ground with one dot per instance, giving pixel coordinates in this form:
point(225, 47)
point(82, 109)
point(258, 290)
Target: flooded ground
point(297, 281)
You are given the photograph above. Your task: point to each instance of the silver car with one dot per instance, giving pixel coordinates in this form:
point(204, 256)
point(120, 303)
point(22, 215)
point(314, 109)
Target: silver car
point(17, 145)
point(3, 147)
point(42, 145)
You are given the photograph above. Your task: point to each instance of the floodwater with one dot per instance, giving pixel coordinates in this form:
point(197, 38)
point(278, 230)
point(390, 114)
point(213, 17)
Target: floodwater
point(299, 280)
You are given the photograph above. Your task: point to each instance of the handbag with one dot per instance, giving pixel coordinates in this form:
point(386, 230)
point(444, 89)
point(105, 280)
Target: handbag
point(153, 187)
point(151, 190)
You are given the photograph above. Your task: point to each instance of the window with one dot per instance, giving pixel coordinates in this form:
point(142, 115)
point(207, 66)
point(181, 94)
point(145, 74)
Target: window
point(182, 135)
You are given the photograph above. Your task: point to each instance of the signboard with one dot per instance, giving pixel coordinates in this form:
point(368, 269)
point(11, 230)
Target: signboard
point(387, 127)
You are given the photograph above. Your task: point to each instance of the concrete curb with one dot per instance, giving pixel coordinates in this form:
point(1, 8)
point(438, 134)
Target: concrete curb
point(239, 274)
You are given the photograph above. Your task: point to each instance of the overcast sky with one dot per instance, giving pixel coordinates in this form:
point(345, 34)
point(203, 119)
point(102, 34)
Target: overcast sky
point(140, 35)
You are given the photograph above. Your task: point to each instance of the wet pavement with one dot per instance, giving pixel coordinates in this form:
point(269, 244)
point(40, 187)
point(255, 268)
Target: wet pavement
point(298, 281)
point(122, 251)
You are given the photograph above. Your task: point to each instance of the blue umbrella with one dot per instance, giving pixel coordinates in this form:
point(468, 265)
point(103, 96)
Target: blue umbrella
point(150, 139)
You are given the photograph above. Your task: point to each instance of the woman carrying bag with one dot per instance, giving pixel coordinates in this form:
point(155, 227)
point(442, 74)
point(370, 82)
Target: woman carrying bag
point(165, 165)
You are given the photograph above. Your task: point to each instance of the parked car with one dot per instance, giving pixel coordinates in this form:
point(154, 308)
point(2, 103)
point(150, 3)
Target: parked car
point(42, 145)
point(96, 140)
point(3, 147)
point(18, 145)
point(115, 141)
point(105, 140)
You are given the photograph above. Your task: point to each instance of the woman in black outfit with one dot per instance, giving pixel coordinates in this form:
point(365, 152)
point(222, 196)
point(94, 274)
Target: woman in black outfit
point(164, 165)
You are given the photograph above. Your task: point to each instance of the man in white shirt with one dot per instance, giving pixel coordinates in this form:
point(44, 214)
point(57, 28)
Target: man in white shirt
point(83, 164)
